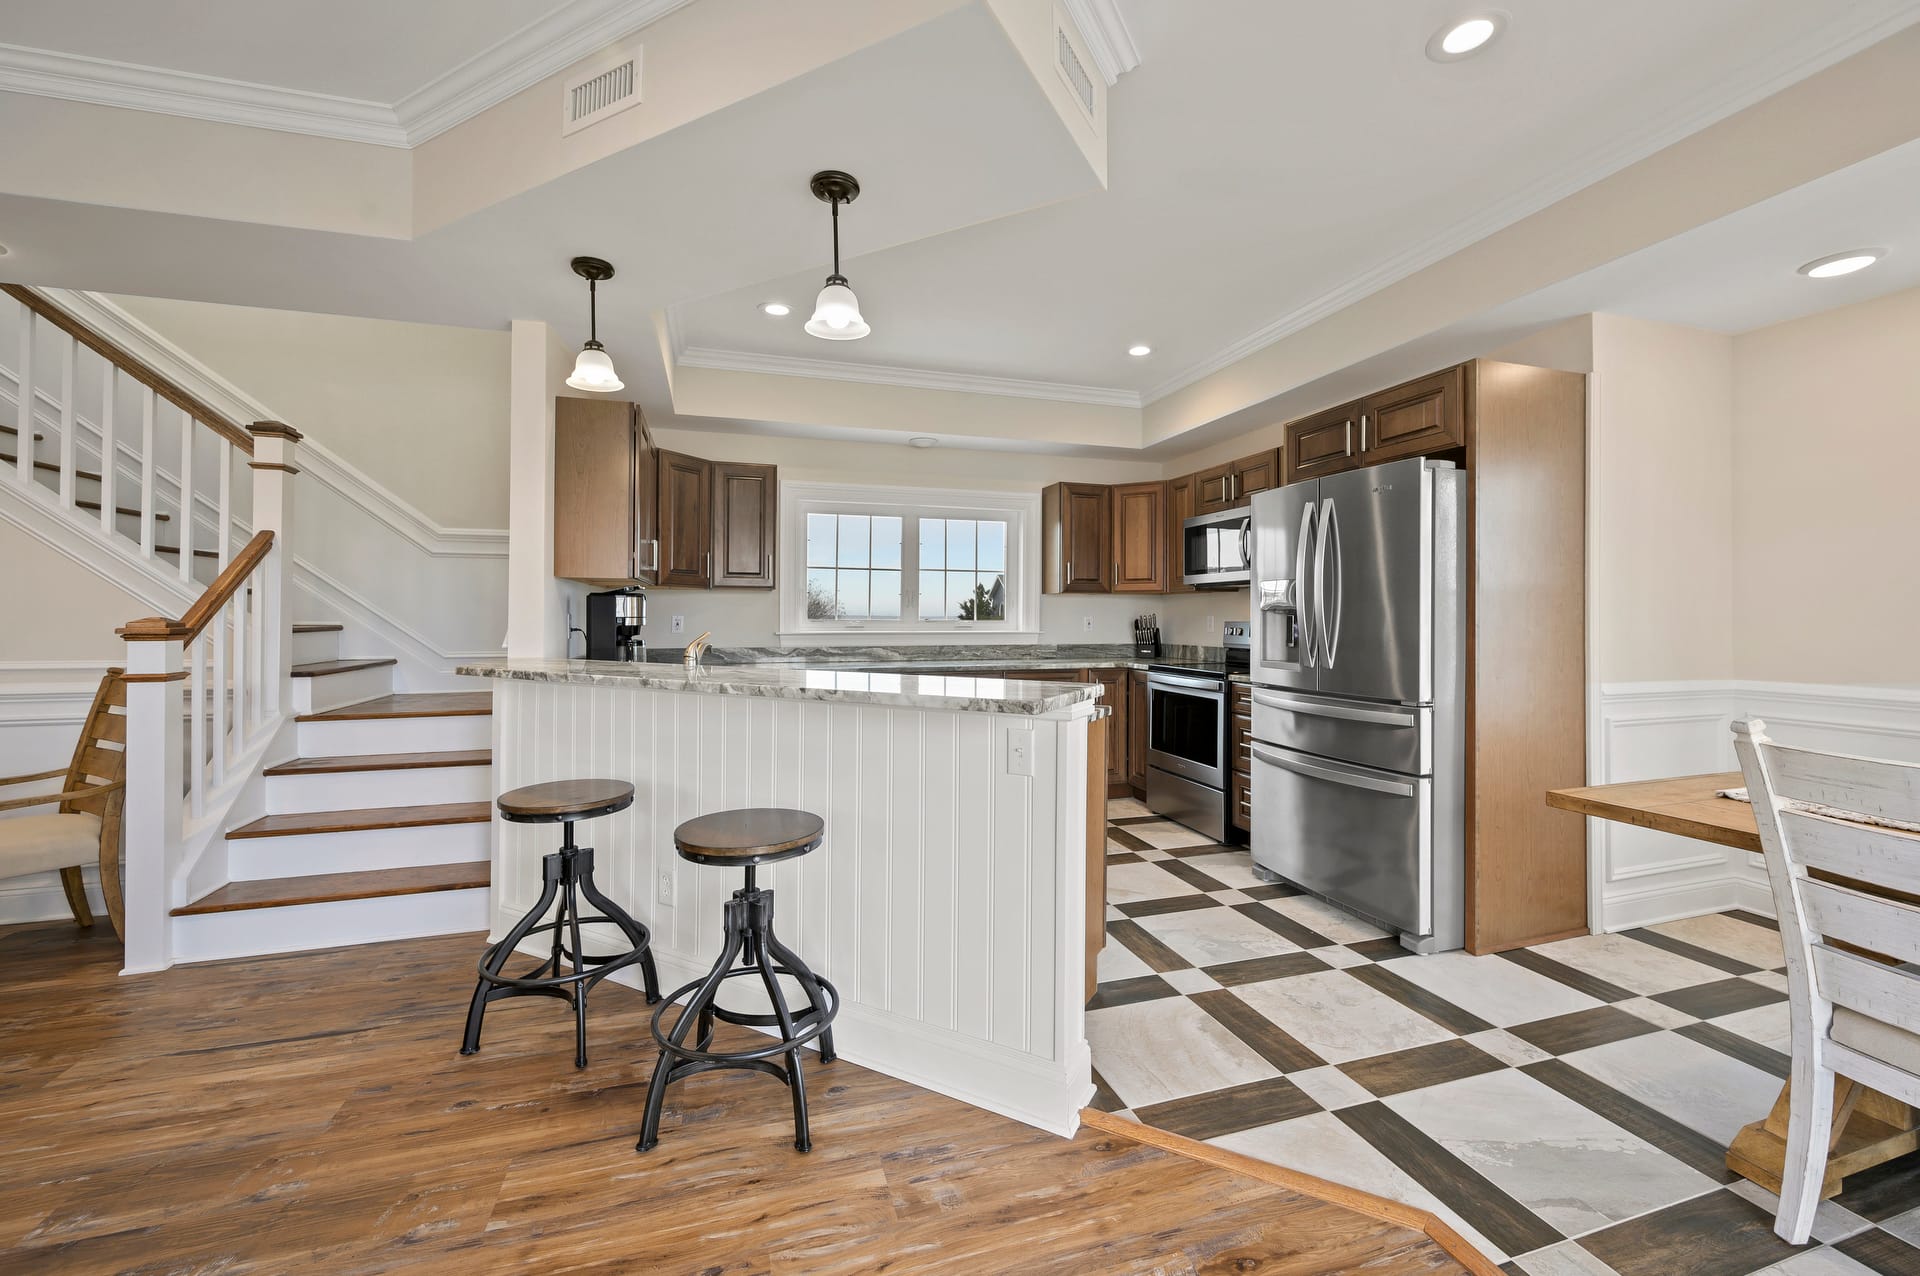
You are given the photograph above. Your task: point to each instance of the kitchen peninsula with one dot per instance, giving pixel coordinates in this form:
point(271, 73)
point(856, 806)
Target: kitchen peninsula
point(947, 902)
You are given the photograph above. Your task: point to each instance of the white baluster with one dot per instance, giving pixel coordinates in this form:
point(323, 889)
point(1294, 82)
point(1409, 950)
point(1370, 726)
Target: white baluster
point(186, 496)
point(23, 385)
point(226, 501)
point(109, 450)
point(69, 356)
point(197, 726)
point(146, 475)
point(217, 641)
point(242, 667)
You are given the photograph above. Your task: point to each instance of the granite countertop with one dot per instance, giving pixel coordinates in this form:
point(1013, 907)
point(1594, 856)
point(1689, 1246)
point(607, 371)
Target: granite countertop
point(905, 688)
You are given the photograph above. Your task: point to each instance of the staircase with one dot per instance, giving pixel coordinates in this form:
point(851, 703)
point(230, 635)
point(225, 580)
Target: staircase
point(377, 828)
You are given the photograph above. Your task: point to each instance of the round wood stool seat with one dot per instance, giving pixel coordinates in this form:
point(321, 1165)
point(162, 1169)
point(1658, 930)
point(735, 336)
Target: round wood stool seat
point(563, 800)
point(753, 835)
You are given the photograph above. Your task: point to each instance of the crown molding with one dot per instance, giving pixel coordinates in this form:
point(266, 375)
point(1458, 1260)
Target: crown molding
point(781, 365)
point(1104, 28)
point(44, 73)
point(1759, 80)
point(542, 48)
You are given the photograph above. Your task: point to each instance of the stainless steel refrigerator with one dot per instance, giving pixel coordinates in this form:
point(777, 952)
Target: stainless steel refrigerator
point(1358, 670)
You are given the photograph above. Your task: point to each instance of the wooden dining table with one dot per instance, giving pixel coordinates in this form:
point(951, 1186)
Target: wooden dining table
point(1869, 1128)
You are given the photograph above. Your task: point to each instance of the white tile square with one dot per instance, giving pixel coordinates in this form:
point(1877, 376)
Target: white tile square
point(1341, 958)
point(1818, 1262)
point(1771, 1026)
point(1126, 808)
point(1693, 1084)
point(1336, 924)
point(1155, 857)
point(1165, 835)
point(1229, 868)
point(1906, 1226)
point(1730, 937)
point(1492, 988)
point(1655, 1012)
point(1191, 981)
point(1631, 964)
point(1117, 961)
point(1168, 1048)
point(1114, 914)
point(1215, 936)
point(1564, 1259)
point(1130, 883)
point(1330, 1088)
point(1507, 1048)
point(1339, 1018)
point(1831, 1220)
point(1768, 979)
point(1231, 897)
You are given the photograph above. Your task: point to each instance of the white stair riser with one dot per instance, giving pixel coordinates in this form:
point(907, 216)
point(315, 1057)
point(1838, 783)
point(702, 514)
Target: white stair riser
point(300, 927)
point(336, 690)
point(357, 790)
point(320, 645)
point(395, 735)
point(305, 854)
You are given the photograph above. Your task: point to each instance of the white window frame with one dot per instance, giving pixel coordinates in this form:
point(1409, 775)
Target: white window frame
point(1020, 511)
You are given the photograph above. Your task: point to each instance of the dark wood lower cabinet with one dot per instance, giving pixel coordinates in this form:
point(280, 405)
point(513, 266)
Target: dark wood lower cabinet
point(1113, 691)
point(1137, 730)
point(1240, 754)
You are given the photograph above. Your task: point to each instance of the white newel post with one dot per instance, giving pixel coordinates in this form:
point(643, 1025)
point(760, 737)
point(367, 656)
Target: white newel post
point(273, 470)
point(155, 778)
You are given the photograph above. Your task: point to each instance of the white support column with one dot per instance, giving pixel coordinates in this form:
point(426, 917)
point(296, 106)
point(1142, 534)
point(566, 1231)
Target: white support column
point(536, 624)
point(152, 821)
point(274, 446)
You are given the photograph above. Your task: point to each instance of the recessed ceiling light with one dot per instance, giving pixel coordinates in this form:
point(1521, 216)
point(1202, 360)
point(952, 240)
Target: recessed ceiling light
point(1841, 263)
point(775, 308)
point(1466, 37)
point(1139, 352)
point(922, 440)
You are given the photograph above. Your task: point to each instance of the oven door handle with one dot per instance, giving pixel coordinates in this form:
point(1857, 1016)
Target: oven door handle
point(1322, 709)
point(1173, 681)
point(1333, 773)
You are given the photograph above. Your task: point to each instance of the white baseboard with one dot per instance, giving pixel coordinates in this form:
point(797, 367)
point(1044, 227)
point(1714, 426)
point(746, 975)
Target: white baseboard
point(40, 898)
point(1651, 730)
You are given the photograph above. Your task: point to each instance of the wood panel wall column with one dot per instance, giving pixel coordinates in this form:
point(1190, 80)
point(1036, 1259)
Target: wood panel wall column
point(274, 445)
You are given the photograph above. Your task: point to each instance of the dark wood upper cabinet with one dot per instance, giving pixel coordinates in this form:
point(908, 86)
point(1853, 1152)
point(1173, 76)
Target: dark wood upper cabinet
point(605, 528)
point(745, 524)
point(1213, 489)
point(1140, 538)
point(1233, 483)
point(1324, 443)
point(1076, 538)
point(1179, 510)
point(1415, 419)
point(686, 521)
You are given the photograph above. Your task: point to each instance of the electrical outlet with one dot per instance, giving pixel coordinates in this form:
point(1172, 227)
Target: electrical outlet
point(679, 624)
point(1213, 624)
point(1086, 623)
point(1019, 752)
point(666, 887)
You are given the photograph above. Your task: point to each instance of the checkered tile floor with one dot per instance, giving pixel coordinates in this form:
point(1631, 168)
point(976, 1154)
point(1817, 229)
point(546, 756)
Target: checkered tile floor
point(1566, 1107)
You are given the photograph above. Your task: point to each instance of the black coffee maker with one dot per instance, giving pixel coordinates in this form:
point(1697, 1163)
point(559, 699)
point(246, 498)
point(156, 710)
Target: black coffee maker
point(614, 619)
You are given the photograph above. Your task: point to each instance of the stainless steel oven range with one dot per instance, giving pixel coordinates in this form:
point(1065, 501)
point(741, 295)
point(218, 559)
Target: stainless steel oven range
point(1187, 714)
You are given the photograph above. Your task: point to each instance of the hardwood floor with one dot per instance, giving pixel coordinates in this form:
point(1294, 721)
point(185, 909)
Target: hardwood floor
point(310, 1112)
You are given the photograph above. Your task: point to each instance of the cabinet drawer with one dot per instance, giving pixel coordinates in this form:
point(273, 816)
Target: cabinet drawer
point(1420, 417)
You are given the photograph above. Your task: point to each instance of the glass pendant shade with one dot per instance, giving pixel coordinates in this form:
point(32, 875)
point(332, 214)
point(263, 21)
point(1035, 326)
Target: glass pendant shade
point(593, 370)
point(836, 313)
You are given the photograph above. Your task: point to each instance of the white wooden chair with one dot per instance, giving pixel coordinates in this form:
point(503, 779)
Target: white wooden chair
point(1853, 1016)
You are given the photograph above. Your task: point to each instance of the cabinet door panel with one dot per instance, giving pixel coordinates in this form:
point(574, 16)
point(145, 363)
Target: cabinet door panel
point(1076, 538)
point(1140, 538)
point(1213, 489)
point(1179, 510)
point(1137, 728)
point(593, 491)
point(1325, 443)
point(1428, 415)
point(745, 521)
point(1255, 473)
point(1113, 692)
point(686, 525)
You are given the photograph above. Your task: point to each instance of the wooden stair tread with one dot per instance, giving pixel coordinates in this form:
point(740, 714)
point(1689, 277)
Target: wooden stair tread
point(121, 509)
point(294, 823)
point(410, 704)
point(323, 668)
point(383, 762)
point(324, 888)
point(316, 627)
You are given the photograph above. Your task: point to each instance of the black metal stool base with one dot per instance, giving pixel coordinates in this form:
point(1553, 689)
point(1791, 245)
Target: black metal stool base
point(750, 941)
point(566, 874)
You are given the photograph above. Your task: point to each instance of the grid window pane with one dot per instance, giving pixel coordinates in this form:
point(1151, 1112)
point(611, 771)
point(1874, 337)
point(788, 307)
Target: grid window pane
point(933, 543)
point(960, 534)
point(886, 541)
point(990, 597)
point(885, 603)
point(855, 530)
point(820, 540)
point(993, 546)
point(853, 595)
point(820, 594)
point(857, 568)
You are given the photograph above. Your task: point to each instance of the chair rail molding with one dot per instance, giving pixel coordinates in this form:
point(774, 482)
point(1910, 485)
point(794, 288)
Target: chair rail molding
point(1648, 730)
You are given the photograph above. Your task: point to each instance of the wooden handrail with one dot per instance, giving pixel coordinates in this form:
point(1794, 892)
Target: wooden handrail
point(132, 365)
point(201, 614)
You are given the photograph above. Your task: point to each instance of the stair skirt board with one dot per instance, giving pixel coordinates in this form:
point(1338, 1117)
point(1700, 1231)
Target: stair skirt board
point(252, 859)
point(357, 790)
point(302, 927)
point(393, 735)
point(336, 690)
point(315, 645)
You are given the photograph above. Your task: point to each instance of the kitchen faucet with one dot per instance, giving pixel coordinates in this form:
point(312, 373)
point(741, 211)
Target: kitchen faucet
point(696, 649)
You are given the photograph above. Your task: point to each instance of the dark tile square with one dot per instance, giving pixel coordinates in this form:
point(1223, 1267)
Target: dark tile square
point(1380, 949)
point(1582, 1029)
point(1241, 1107)
point(1883, 1252)
point(1171, 904)
point(1692, 952)
point(1120, 837)
point(1753, 919)
point(1143, 944)
point(1270, 890)
point(1104, 1098)
point(1578, 980)
point(1257, 970)
point(1683, 1143)
point(1422, 1066)
point(1724, 997)
point(1124, 857)
point(1718, 1234)
point(1885, 1190)
point(1417, 999)
point(1125, 992)
point(1135, 819)
point(1284, 926)
point(1192, 876)
point(1267, 1038)
point(1712, 1035)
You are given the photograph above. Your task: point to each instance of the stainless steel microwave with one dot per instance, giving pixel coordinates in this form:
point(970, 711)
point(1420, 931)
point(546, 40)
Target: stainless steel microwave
point(1216, 549)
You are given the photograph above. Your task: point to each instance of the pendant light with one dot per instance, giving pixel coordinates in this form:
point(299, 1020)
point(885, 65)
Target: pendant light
point(836, 314)
point(593, 370)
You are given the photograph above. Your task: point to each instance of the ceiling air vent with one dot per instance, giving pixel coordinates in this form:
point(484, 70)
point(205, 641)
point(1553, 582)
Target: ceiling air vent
point(1071, 61)
point(604, 86)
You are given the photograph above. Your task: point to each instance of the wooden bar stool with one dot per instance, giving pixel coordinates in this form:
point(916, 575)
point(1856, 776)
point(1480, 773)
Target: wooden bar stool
point(746, 838)
point(566, 874)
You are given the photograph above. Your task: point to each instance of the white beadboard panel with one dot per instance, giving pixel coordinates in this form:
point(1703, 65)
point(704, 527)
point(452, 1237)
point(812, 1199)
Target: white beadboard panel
point(1651, 730)
point(941, 903)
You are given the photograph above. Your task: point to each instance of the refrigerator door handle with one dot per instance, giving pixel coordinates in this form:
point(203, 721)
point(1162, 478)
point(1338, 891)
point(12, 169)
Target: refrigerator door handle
point(1335, 774)
point(1329, 534)
point(1300, 584)
point(1323, 709)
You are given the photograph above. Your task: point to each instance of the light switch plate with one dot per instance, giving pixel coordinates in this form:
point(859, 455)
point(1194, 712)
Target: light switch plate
point(1019, 752)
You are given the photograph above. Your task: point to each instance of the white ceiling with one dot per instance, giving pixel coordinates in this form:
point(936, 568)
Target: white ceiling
point(371, 50)
point(1270, 162)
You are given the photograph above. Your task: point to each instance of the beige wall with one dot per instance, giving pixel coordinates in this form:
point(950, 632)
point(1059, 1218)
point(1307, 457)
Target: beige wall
point(419, 408)
point(1826, 522)
point(80, 627)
